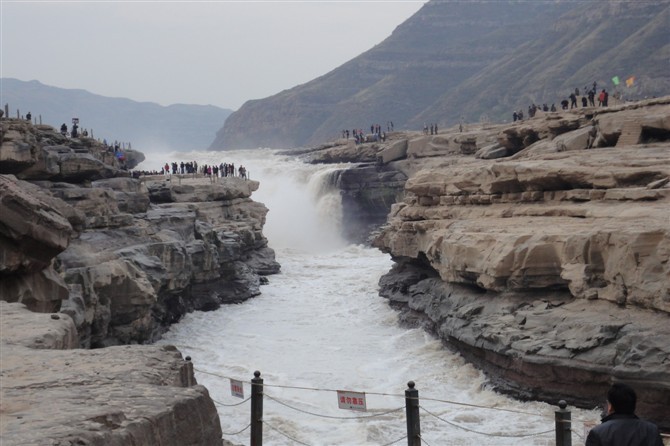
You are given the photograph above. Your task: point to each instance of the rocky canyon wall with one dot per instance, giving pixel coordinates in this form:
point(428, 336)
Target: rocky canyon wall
point(540, 249)
point(124, 257)
point(115, 260)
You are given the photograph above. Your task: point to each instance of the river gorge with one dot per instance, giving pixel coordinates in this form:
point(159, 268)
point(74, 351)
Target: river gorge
point(526, 259)
point(321, 324)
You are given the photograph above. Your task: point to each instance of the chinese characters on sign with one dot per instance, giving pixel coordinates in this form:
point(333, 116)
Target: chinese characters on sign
point(236, 388)
point(351, 400)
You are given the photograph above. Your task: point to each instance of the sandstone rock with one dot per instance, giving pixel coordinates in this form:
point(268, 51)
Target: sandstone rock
point(16, 149)
point(548, 268)
point(133, 158)
point(347, 151)
point(132, 196)
point(41, 291)
point(492, 151)
point(577, 140)
point(127, 268)
point(179, 189)
point(31, 233)
point(394, 152)
point(36, 330)
point(39, 153)
point(120, 270)
point(129, 282)
point(60, 163)
point(367, 192)
point(114, 396)
point(541, 345)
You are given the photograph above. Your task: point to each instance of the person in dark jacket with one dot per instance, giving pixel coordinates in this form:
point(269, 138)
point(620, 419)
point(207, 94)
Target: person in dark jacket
point(621, 427)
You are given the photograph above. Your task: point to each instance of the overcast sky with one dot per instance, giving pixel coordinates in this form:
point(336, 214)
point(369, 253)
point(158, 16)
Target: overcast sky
point(218, 52)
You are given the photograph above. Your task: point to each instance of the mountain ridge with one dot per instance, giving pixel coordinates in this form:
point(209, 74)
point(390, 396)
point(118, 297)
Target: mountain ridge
point(471, 61)
point(148, 126)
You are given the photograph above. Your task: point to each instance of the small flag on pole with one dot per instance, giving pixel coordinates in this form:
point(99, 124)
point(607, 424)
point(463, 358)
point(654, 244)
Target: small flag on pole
point(615, 80)
point(630, 81)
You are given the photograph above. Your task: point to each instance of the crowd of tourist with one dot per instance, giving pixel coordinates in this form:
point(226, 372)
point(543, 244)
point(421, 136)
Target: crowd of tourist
point(376, 133)
point(208, 170)
point(588, 99)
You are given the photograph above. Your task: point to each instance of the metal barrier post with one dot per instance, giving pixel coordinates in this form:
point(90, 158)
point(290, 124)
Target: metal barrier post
point(189, 372)
point(563, 425)
point(412, 411)
point(256, 410)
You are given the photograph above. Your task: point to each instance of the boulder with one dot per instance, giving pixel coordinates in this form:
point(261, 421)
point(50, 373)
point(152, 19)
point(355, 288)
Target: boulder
point(32, 233)
point(395, 151)
point(54, 395)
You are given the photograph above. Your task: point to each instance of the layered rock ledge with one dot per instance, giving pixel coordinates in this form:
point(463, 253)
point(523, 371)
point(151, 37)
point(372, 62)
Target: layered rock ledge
point(56, 394)
point(124, 257)
point(115, 260)
point(540, 250)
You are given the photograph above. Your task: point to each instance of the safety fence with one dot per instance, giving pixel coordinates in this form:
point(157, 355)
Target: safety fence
point(560, 425)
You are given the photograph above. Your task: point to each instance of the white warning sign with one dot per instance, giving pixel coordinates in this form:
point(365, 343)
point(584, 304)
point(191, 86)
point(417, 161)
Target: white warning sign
point(236, 388)
point(351, 400)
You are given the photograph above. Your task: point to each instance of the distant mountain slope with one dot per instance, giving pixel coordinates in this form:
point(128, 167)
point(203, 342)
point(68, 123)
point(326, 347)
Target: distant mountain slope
point(455, 58)
point(147, 126)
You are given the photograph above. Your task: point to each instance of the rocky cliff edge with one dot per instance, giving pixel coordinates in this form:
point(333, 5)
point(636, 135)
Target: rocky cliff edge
point(115, 260)
point(539, 249)
point(56, 394)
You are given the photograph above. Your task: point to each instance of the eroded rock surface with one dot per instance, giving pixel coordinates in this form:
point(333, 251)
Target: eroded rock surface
point(114, 396)
point(540, 249)
point(124, 257)
point(91, 257)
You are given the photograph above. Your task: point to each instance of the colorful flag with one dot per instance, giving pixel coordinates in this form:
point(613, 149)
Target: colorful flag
point(615, 80)
point(630, 81)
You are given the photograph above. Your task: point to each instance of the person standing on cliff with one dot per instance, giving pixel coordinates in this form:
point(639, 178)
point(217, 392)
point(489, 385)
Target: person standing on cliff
point(621, 427)
point(573, 101)
point(592, 97)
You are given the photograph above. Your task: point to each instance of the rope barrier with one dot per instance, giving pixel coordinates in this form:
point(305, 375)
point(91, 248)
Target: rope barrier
point(330, 416)
point(484, 433)
point(283, 433)
point(456, 403)
point(211, 373)
point(423, 398)
point(581, 437)
point(235, 433)
point(229, 405)
point(305, 444)
point(394, 442)
point(423, 441)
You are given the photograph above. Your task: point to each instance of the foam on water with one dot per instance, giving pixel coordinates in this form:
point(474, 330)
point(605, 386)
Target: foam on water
point(321, 324)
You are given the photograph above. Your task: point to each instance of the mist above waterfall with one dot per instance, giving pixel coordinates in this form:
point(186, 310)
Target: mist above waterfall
point(305, 211)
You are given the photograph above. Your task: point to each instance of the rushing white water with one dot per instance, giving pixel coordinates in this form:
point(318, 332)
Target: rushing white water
point(320, 326)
